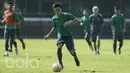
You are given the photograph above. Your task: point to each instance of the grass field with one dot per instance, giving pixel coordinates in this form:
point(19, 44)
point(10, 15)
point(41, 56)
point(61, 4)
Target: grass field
point(40, 55)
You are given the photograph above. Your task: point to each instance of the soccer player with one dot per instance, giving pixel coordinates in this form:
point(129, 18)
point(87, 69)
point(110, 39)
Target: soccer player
point(61, 22)
point(10, 20)
point(118, 28)
point(96, 22)
point(84, 21)
point(21, 20)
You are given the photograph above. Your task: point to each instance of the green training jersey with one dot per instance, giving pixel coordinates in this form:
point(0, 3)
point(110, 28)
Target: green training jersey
point(118, 22)
point(96, 22)
point(20, 19)
point(85, 21)
point(59, 21)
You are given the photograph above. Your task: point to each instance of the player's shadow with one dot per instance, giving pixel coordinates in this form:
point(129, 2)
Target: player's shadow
point(87, 71)
point(84, 71)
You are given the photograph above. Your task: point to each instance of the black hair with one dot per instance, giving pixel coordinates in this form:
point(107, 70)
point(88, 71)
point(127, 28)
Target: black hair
point(86, 9)
point(117, 7)
point(55, 5)
point(11, 3)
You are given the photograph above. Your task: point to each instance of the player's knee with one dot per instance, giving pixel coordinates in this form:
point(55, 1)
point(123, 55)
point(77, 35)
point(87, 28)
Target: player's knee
point(98, 41)
point(7, 40)
point(72, 52)
point(94, 41)
point(59, 50)
point(86, 38)
point(60, 45)
point(15, 42)
point(115, 42)
point(121, 42)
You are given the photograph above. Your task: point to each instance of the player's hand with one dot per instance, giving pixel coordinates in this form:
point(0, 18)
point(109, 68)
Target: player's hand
point(46, 37)
point(3, 21)
point(81, 24)
point(67, 23)
point(86, 35)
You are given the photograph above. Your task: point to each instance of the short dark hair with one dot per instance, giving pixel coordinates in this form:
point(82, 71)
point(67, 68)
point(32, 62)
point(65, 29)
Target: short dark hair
point(55, 5)
point(117, 7)
point(86, 9)
point(11, 3)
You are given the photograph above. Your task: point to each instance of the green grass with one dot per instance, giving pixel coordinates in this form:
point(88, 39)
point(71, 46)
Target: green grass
point(44, 54)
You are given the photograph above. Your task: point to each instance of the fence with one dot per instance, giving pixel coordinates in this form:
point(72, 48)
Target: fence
point(43, 8)
point(38, 15)
point(39, 27)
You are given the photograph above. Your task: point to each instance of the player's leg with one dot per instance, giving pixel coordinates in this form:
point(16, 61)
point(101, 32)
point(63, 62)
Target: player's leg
point(70, 46)
point(94, 37)
point(87, 38)
point(120, 39)
point(19, 38)
point(13, 41)
point(11, 45)
point(60, 44)
point(98, 44)
point(114, 44)
point(6, 37)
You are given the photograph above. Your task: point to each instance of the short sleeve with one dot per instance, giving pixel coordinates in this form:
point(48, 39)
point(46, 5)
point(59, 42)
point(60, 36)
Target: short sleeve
point(112, 20)
point(70, 16)
point(53, 20)
point(16, 16)
point(102, 19)
point(90, 19)
point(21, 17)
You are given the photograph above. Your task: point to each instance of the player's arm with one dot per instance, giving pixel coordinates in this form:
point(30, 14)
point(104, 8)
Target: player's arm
point(90, 19)
point(124, 24)
point(112, 25)
point(72, 20)
point(21, 18)
point(53, 28)
point(102, 20)
point(81, 22)
point(46, 37)
point(3, 18)
point(16, 17)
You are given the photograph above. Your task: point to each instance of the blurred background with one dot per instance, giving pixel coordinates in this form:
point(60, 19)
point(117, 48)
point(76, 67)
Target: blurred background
point(38, 13)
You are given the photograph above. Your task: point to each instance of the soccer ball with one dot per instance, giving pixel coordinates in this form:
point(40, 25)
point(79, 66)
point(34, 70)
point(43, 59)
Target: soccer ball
point(56, 67)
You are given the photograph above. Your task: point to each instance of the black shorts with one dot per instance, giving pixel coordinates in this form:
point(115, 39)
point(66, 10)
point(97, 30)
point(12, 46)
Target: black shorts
point(95, 36)
point(118, 37)
point(68, 41)
point(9, 33)
point(87, 34)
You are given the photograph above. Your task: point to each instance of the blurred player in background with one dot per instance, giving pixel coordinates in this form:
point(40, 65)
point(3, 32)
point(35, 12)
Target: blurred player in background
point(84, 21)
point(10, 20)
point(118, 28)
point(61, 22)
point(96, 22)
point(21, 20)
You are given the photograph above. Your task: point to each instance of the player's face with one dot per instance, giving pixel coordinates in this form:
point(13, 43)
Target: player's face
point(10, 6)
point(85, 13)
point(117, 11)
point(57, 11)
point(95, 10)
point(15, 8)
